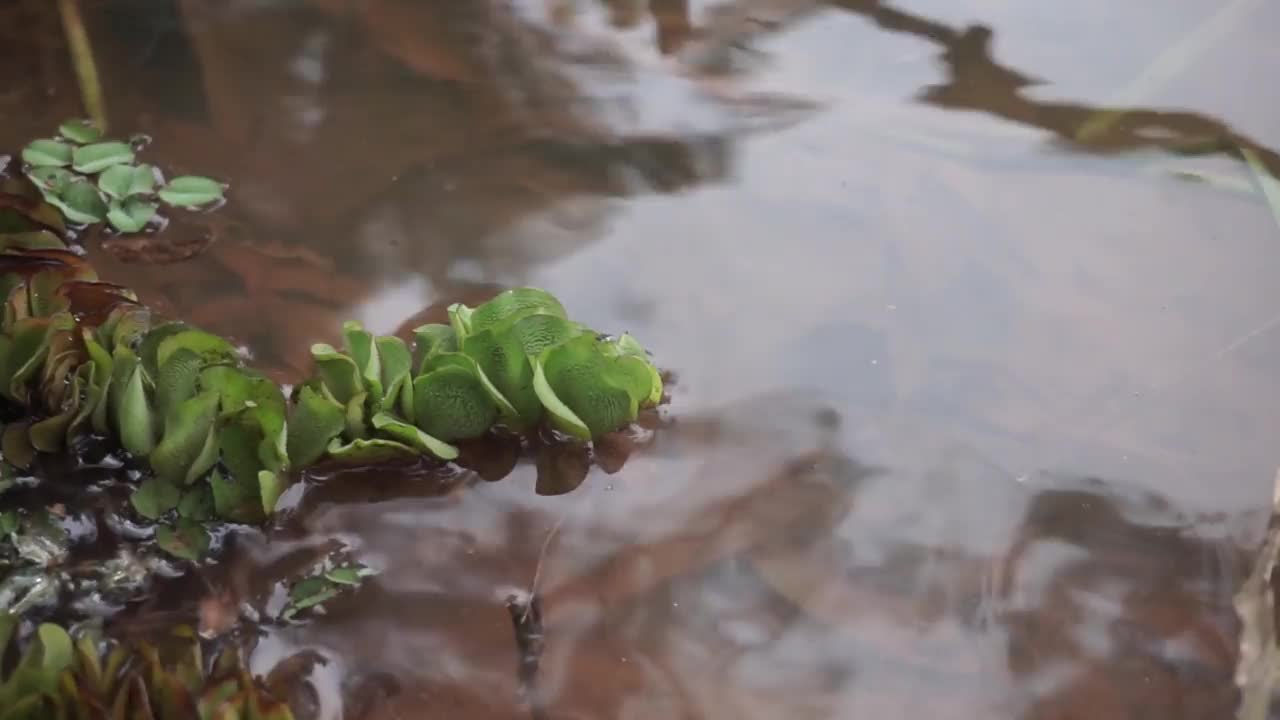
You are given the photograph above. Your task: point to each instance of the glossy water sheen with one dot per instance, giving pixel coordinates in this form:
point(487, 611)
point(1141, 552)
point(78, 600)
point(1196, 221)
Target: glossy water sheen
point(972, 420)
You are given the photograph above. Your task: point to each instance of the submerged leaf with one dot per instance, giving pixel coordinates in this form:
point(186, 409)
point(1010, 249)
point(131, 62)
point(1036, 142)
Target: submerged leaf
point(155, 497)
point(47, 153)
point(191, 191)
point(186, 540)
point(95, 158)
point(15, 443)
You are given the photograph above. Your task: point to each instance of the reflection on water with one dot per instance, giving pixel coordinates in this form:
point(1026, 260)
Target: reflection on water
point(916, 294)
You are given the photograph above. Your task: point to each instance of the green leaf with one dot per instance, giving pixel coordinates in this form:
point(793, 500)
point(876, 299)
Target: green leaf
point(186, 540)
point(50, 178)
point(29, 343)
point(309, 593)
point(80, 131)
point(31, 240)
point(369, 451)
point(236, 499)
point(562, 416)
point(192, 191)
point(315, 421)
point(56, 650)
point(514, 303)
point(460, 320)
point(92, 159)
point(339, 373)
point(189, 447)
point(453, 404)
point(364, 352)
point(81, 203)
point(15, 443)
point(270, 487)
point(207, 345)
point(632, 374)
point(124, 181)
point(432, 339)
point(412, 436)
point(134, 421)
point(155, 497)
point(539, 331)
point(88, 380)
point(355, 414)
point(585, 391)
point(502, 361)
point(47, 153)
point(176, 383)
point(396, 364)
point(197, 504)
point(346, 576)
point(128, 324)
point(467, 363)
point(49, 434)
point(130, 216)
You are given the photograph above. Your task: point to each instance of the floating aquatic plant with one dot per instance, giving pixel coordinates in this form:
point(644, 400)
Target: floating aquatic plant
point(92, 179)
point(78, 674)
point(220, 440)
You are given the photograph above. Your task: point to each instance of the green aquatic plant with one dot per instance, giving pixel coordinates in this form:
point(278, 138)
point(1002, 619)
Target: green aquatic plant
point(81, 675)
point(219, 441)
point(93, 180)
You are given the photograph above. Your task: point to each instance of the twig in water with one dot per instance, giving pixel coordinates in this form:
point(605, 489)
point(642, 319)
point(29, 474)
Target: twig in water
point(82, 61)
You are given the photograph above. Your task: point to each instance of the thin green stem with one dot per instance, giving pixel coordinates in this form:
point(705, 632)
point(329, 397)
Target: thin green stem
point(82, 60)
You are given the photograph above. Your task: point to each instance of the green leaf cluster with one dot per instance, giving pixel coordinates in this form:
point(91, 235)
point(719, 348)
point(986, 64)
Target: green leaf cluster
point(220, 439)
point(513, 361)
point(92, 179)
point(79, 676)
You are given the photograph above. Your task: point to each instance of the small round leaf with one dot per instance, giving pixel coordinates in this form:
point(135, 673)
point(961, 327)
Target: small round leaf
point(80, 131)
point(48, 177)
point(81, 203)
point(122, 181)
point(47, 153)
point(192, 191)
point(95, 158)
point(132, 215)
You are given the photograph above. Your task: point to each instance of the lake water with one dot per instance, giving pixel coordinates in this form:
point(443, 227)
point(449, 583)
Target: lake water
point(975, 349)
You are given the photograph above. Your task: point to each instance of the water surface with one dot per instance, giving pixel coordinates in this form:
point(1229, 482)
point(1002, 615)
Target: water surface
point(975, 405)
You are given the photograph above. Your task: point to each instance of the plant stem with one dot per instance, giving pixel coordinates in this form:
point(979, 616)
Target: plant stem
point(82, 60)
